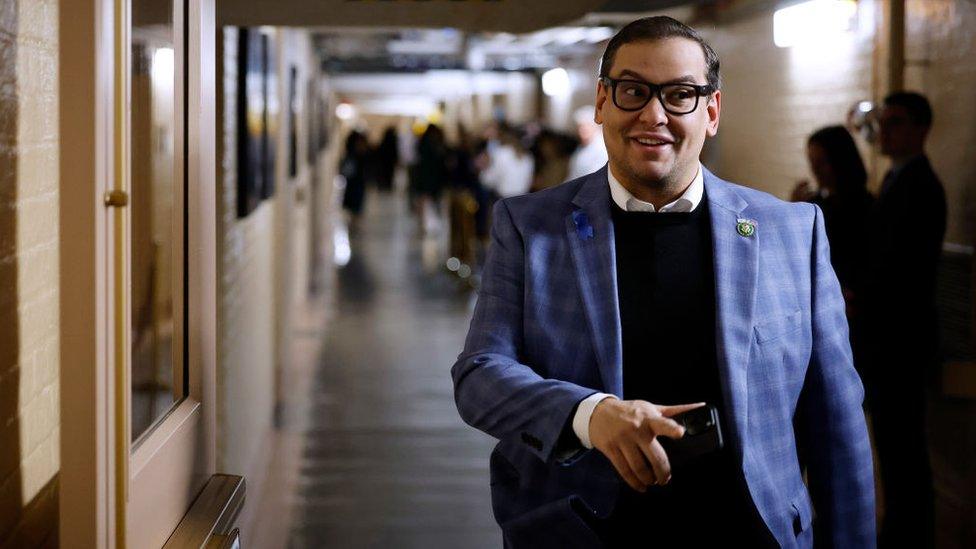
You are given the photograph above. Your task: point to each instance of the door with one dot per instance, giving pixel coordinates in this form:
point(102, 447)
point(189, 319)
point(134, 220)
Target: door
point(138, 343)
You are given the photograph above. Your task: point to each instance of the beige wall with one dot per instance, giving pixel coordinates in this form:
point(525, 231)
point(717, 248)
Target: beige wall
point(29, 310)
point(245, 299)
point(264, 262)
point(939, 47)
point(773, 98)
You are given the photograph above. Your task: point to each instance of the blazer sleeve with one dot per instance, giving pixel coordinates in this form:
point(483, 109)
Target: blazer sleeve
point(831, 428)
point(495, 392)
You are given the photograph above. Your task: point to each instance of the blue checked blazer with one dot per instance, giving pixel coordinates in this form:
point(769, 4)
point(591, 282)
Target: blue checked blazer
point(546, 334)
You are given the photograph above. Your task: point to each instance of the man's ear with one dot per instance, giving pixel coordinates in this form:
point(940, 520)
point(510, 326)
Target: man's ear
point(601, 99)
point(714, 109)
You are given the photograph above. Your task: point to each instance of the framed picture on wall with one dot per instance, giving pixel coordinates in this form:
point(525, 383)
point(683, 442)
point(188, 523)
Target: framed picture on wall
point(324, 119)
point(312, 124)
point(251, 120)
point(271, 114)
point(292, 121)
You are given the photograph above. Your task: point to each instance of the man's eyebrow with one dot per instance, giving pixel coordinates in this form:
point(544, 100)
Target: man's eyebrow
point(686, 79)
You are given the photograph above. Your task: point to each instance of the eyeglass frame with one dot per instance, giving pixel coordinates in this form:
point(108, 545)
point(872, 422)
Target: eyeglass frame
point(655, 91)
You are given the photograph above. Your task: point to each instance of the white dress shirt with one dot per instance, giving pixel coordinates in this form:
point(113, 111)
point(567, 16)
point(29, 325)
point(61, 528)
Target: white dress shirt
point(627, 202)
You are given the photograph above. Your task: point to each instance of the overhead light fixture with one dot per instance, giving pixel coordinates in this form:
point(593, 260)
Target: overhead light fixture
point(345, 111)
point(813, 21)
point(555, 82)
point(162, 65)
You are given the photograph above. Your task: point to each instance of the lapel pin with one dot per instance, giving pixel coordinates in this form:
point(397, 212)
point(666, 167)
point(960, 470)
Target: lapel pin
point(583, 228)
point(746, 227)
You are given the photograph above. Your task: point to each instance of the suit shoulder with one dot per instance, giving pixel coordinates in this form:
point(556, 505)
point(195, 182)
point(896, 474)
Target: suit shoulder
point(771, 210)
point(767, 201)
point(554, 199)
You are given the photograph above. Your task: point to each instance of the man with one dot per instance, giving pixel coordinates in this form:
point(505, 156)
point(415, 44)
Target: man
point(907, 227)
point(591, 155)
point(616, 301)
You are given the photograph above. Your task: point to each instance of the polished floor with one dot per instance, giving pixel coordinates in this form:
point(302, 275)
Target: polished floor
point(386, 461)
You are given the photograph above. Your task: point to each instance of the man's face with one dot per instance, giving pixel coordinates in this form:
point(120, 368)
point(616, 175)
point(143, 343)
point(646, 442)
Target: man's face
point(899, 136)
point(672, 158)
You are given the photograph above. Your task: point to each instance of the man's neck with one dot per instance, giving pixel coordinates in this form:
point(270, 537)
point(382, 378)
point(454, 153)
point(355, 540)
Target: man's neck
point(898, 162)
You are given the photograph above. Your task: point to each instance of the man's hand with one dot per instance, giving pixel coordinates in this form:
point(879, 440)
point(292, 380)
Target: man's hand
point(626, 432)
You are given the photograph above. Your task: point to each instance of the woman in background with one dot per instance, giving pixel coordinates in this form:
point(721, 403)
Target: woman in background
point(843, 196)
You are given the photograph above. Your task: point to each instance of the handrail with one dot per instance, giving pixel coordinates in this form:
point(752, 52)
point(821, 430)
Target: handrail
point(211, 516)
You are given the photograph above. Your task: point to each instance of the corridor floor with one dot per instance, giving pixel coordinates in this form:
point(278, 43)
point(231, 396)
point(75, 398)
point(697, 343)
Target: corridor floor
point(387, 462)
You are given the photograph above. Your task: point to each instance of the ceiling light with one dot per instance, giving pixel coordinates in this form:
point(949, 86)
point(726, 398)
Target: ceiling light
point(555, 82)
point(345, 111)
point(814, 21)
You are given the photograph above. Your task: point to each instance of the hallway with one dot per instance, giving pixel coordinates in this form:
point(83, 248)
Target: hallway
point(387, 462)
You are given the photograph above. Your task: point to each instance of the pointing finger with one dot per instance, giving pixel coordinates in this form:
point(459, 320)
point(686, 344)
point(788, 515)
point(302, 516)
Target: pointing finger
point(671, 411)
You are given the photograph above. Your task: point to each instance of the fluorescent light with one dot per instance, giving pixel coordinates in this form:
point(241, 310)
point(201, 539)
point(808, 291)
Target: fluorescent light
point(555, 82)
point(813, 21)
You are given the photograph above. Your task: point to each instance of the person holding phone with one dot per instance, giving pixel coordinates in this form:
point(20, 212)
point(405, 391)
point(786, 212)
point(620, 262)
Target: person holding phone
point(660, 353)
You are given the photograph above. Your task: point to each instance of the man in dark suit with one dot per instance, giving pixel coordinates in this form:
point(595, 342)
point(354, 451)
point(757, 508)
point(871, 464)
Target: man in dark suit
point(616, 301)
point(907, 227)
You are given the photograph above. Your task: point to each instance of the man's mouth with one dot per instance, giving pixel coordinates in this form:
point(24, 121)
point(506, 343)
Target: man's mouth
point(654, 142)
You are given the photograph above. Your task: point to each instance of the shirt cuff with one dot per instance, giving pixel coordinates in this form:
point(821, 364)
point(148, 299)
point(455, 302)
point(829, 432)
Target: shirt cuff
point(581, 421)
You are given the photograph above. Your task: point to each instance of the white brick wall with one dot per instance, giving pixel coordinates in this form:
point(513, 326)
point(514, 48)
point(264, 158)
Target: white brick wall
point(29, 390)
point(245, 382)
point(773, 98)
point(939, 47)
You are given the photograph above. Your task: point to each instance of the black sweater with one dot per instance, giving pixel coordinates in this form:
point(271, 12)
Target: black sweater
point(665, 285)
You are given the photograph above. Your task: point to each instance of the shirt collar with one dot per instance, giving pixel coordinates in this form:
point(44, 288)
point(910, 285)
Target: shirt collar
point(687, 202)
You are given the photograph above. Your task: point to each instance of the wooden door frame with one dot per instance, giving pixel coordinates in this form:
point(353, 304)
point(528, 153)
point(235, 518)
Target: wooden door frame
point(103, 487)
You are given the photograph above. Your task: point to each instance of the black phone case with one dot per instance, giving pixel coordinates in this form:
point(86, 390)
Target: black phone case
point(694, 443)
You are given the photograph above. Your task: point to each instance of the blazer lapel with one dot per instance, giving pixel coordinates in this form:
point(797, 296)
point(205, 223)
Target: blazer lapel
point(736, 263)
point(589, 229)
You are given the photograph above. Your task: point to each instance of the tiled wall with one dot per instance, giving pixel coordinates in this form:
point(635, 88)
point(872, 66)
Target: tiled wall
point(29, 350)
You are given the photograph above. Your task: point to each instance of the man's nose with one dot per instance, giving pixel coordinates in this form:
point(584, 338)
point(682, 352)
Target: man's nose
point(653, 112)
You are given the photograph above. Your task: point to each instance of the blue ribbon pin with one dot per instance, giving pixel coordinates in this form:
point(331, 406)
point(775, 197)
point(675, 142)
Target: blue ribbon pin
point(583, 228)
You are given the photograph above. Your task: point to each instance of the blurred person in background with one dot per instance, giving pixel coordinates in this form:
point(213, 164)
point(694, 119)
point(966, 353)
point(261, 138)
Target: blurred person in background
point(907, 225)
point(387, 156)
point(510, 166)
point(432, 176)
point(353, 168)
point(464, 202)
point(551, 162)
point(592, 152)
point(842, 194)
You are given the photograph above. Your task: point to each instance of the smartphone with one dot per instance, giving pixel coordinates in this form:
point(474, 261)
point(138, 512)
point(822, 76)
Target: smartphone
point(703, 435)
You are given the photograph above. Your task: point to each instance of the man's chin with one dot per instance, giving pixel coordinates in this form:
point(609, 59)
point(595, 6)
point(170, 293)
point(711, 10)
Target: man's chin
point(653, 176)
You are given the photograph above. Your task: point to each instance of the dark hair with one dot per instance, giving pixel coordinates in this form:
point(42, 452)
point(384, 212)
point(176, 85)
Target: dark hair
point(659, 28)
point(918, 107)
point(843, 156)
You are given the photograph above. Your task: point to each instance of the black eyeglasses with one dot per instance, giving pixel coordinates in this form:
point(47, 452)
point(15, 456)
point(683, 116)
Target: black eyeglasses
point(633, 95)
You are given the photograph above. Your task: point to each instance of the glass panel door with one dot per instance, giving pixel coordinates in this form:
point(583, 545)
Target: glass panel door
point(156, 267)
